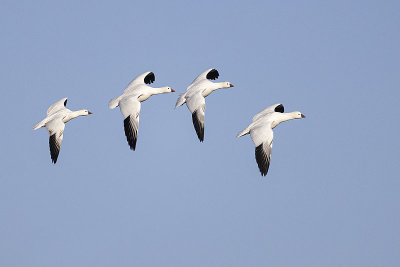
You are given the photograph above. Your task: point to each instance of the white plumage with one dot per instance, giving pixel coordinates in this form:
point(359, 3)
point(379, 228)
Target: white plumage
point(195, 98)
point(136, 92)
point(57, 116)
point(262, 135)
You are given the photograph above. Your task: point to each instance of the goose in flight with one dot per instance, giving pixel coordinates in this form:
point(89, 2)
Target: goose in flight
point(201, 87)
point(136, 92)
point(262, 135)
point(57, 116)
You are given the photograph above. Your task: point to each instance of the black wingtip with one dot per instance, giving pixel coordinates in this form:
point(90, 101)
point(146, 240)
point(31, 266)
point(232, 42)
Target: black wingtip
point(54, 149)
point(65, 102)
point(198, 127)
point(150, 78)
point(130, 133)
point(280, 108)
point(262, 160)
point(212, 74)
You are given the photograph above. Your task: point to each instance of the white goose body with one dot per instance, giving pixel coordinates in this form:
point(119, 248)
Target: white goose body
point(262, 135)
point(57, 116)
point(136, 92)
point(195, 98)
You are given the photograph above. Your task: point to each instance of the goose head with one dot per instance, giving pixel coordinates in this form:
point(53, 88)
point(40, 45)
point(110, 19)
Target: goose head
point(221, 85)
point(167, 89)
point(298, 115)
point(228, 84)
point(85, 112)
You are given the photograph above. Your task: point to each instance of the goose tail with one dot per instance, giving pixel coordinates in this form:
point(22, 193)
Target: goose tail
point(113, 103)
point(244, 132)
point(39, 124)
point(181, 100)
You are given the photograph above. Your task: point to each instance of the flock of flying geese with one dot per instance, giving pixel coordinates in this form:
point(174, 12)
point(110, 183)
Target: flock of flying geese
point(138, 90)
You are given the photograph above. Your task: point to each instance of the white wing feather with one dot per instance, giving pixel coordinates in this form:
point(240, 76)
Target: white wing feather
point(60, 104)
point(265, 111)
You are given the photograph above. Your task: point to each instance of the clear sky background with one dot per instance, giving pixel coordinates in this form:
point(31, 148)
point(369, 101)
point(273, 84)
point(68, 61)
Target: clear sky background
point(331, 197)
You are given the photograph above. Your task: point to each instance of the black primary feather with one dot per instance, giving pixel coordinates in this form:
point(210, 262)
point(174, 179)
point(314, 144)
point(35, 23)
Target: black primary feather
point(212, 74)
point(150, 78)
point(280, 108)
point(198, 126)
point(130, 133)
point(54, 148)
point(262, 160)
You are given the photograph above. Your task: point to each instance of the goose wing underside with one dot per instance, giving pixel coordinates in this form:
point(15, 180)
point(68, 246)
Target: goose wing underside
point(197, 106)
point(262, 138)
point(55, 128)
point(130, 109)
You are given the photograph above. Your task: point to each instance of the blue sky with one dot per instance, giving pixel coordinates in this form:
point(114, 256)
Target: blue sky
point(331, 195)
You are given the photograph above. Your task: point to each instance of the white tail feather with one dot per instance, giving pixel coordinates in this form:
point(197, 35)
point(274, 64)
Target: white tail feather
point(113, 103)
point(181, 100)
point(244, 132)
point(39, 124)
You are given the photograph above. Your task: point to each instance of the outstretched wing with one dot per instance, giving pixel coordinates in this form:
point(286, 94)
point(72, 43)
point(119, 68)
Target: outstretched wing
point(210, 74)
point(144, 78)
point(130, 109)
point(60, 104)
point(263, 137)
point(270, 109)
point(55, 127)
point(197, 105)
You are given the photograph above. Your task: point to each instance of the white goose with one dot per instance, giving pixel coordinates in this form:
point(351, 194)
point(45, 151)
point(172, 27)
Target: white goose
point(194, 97)
point(57, 116)
point(129, 103)
point(262, 135)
